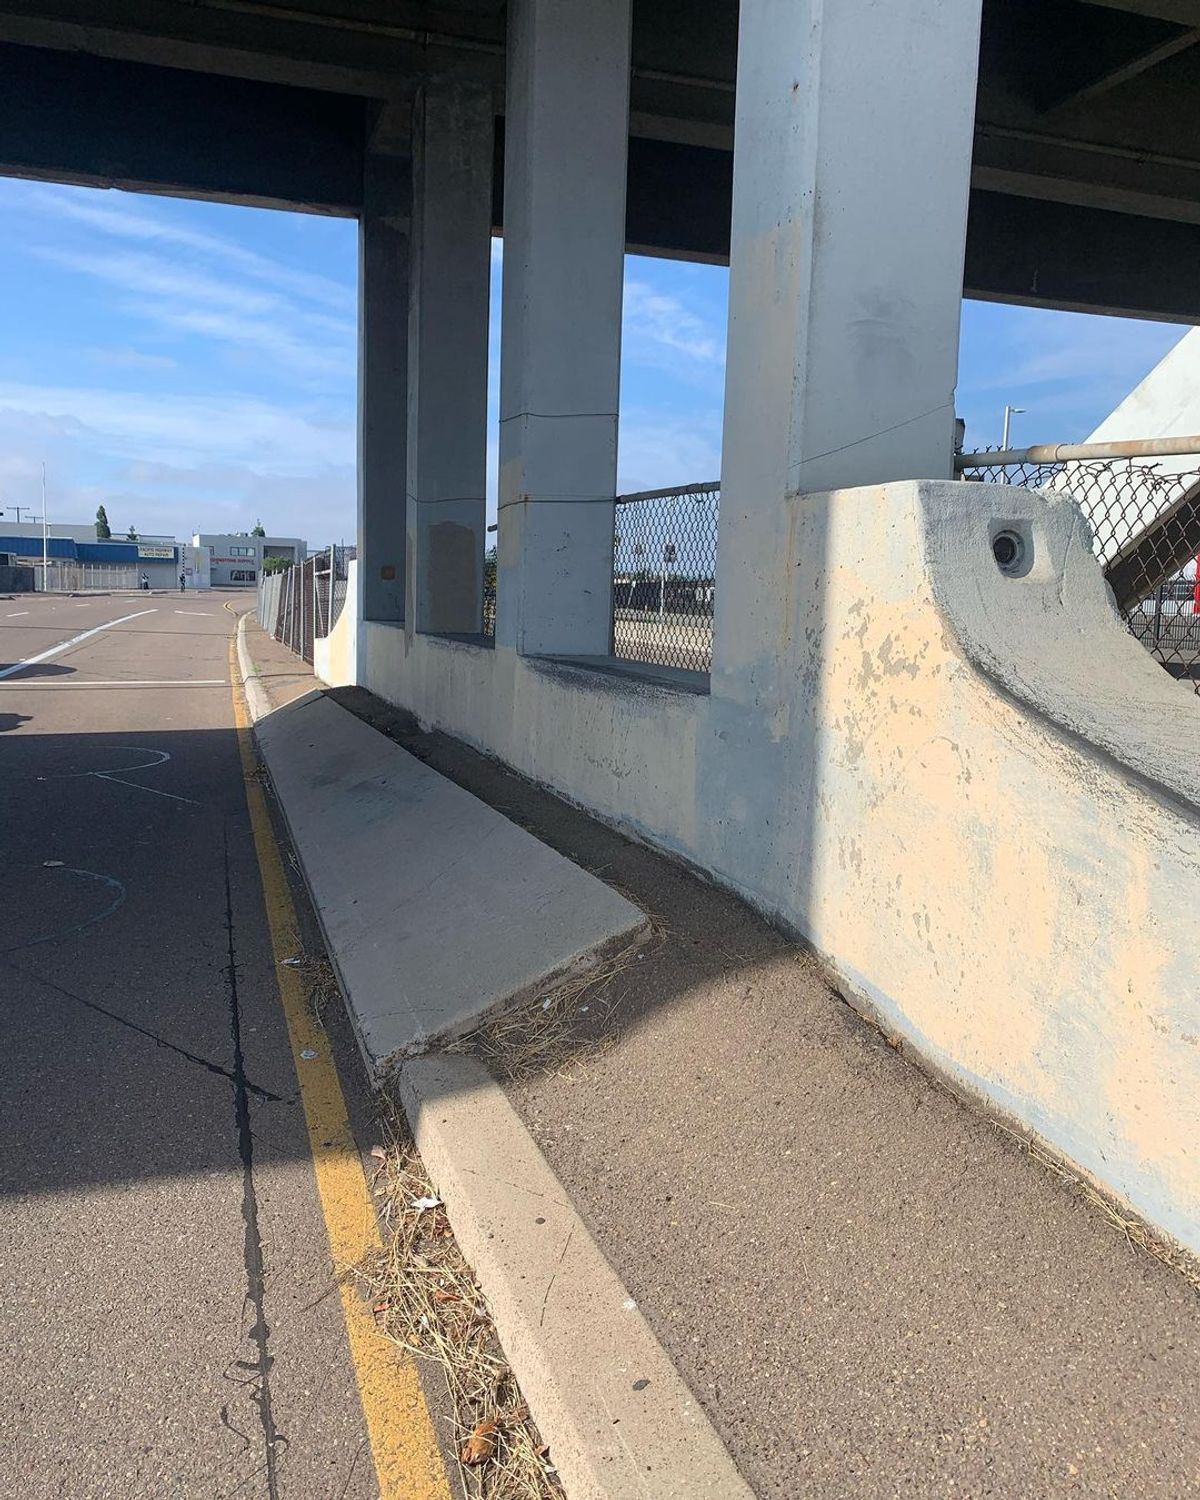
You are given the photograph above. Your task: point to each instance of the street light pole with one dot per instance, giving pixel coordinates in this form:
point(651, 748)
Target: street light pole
point(45, 536)
point(1009, 413)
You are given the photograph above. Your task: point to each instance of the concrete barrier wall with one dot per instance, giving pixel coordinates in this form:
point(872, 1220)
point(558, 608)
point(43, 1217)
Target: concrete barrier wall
point(974, 794)
point(335, 656)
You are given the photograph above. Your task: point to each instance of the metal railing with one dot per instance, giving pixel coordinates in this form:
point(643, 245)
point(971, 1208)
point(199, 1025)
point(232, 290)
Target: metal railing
point(1142, 500)
point(75, 577)
point(664, 576)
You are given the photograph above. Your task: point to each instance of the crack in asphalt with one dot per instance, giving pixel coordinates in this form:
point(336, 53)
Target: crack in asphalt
point(255, 1295)
point(159, 1041)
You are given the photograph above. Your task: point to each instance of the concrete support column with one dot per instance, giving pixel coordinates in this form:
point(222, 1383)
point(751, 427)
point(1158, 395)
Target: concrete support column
point(452, 135)
point(852, 154)
point(383, 385)
point(566, 139)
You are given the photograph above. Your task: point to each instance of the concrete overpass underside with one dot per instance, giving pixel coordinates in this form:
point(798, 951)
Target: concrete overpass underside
point(1085, 182)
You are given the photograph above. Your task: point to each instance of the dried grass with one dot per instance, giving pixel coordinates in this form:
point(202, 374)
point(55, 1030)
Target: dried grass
point(564, 1027)
point(1138, 1235)
point(426, 1299)
point(320, 984)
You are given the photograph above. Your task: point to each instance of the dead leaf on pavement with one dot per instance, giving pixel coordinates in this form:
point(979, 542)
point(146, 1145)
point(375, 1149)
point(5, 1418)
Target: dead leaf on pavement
point(481, 1444)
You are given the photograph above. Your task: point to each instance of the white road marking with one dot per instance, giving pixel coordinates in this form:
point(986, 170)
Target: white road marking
point(119, 772)
point(17, 612)
point(123, 682)
point(137, 786)
point(196, 614)
point(32, 661)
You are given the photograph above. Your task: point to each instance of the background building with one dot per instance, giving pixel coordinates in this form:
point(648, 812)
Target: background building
point(76, 559)
point(237, 558)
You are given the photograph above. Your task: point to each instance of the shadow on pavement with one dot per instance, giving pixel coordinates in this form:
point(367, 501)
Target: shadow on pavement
point(131, 929)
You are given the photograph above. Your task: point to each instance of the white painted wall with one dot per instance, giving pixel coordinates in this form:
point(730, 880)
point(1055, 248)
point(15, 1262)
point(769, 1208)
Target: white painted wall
point(976, 796)
point(335, 656)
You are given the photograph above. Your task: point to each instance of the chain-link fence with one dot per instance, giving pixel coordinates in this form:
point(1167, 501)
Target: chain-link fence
point(664, 576)
point(330, 588)
point(302, 602)
point(1145, 518)
point(287, 607)
point(489, 592)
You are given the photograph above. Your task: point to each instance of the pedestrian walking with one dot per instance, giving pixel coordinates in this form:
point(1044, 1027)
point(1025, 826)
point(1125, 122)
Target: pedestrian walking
point(182, 582)
point(146, 582)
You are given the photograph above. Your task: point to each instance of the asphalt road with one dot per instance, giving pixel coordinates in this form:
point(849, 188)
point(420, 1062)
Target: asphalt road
point(170, 1326)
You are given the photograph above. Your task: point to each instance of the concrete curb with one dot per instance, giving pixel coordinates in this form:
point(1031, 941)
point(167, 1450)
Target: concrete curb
point(257, 702)
point(620, 1422)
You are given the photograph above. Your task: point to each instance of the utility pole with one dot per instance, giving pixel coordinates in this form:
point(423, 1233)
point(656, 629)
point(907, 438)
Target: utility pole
point(1009, 413)
point(19, 508)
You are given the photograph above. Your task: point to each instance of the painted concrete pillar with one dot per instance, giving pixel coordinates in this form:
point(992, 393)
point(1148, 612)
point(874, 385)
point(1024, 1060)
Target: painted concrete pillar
point(453, 135)
point(852, 155)
point(566, 139)
point(383, 385)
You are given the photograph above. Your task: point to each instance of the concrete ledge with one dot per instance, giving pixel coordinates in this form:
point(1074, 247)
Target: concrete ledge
point(437, 909)
point(621, 1423)
point(257, 702)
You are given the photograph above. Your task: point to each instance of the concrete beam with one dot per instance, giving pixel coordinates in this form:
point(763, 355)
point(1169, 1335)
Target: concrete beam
point(1042, 254)
point(448, 356)
point(165, 131)
point(564, 215)
point(1183, 12)
point(1102, 79)
point(266, 44)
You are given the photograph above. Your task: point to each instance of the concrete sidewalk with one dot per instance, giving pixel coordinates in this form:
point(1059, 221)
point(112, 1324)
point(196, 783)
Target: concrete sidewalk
point(873, 1290)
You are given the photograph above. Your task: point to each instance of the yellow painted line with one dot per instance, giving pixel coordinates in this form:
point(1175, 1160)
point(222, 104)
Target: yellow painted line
point(408, 1464)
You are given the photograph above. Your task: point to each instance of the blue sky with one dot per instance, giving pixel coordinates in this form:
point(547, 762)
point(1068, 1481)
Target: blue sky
point(192, 365)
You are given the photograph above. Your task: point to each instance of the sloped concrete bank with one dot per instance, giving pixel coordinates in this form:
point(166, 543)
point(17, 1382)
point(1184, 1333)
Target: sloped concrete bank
point(436, 910)
point(968, 788)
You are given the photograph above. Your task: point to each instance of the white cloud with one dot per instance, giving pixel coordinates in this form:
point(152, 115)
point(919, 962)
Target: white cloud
point(183, 299)
point(660, 453)
point(173, 463)
point(124, 220)
point(660, 327)
point(130, 359)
